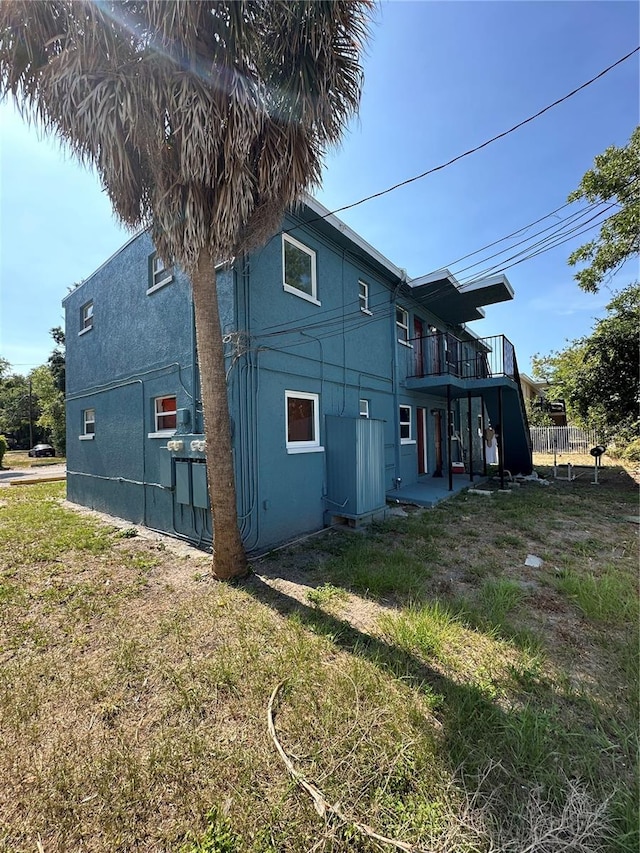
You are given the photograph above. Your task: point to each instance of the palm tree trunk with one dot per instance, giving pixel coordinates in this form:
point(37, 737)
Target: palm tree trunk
point(229, 559)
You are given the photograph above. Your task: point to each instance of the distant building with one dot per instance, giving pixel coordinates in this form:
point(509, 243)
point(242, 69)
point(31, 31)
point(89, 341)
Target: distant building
point(535, 393)
point(348, 384)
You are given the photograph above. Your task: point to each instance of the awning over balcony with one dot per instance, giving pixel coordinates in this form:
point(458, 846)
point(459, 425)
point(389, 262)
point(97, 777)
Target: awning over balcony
point(456, 303)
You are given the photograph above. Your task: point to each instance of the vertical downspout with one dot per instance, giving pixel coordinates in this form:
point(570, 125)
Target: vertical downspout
point(449, 425)
point(194, 367)
point(500, 439)
point(470, 426)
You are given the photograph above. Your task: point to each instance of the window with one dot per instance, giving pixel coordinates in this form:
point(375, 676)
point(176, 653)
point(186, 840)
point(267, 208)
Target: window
point(364, 408)
point(405, 424)
point(402, 326)
point(159, 275)
point(363, 296)
point(88, 424)
point(165, 414)
point(303, 422)
point(299, 269)
point(86, 317)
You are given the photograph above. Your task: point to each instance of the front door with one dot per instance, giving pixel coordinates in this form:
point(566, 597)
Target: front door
point(421, 419)
point(437, 435)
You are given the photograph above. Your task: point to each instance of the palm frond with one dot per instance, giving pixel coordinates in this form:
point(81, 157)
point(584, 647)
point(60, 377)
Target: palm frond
point(205, 119)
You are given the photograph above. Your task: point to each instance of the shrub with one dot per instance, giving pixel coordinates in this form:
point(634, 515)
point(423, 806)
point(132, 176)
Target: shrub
point(632, 451)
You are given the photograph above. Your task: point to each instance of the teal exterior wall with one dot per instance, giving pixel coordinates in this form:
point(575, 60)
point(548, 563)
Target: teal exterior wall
point(141, 346)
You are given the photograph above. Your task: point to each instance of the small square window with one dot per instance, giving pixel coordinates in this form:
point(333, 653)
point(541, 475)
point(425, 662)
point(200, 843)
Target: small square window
point(302, 421)
point(405, 424)
point(364, 408)
point(89, 422)
point(86, 317)
point(402, 325)
point(299, 269)
point(165, 414)
point(159, 275)
point(363, 296)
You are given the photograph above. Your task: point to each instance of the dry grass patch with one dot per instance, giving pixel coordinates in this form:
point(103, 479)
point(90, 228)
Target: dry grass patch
point(436, 688)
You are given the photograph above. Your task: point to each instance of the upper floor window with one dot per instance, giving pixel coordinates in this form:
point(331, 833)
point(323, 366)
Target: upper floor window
point(405, 424)
point(159, 275)
point(165, 414)
point(402, 325)
point(88, 423)
point(86, 317)
point(299, 269)
point(363, 296)
point(303, 421)
point(364, 408)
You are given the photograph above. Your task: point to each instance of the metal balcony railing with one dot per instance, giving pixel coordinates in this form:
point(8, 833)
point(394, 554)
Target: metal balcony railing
point(442, 354)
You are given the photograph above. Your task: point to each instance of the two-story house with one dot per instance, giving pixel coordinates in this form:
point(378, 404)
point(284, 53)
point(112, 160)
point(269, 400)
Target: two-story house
point(348, 384)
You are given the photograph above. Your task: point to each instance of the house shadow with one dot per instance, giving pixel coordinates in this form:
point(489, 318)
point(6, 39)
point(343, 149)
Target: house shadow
point(472, 726)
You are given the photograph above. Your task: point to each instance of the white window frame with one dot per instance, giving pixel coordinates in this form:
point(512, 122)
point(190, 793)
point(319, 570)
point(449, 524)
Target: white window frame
point(364, 408)
point(86, 317)
point(404, 421)
point(403, 328)
point(159, 432)
point(314, 445)
point(289, 288)
point(363, 297)
point(88, 425)
point(159, 275)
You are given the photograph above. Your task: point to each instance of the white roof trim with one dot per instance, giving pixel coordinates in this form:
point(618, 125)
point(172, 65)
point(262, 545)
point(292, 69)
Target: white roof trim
point(489, 281)
point(432, 277)
point(104, 263)
point(314, 205)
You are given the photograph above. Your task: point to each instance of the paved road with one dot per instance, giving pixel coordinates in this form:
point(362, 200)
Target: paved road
point(37, 473)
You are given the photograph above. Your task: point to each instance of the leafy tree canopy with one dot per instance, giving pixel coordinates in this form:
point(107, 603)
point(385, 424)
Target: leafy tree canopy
point(615, 177)
point(597, 376)
point(19, 408)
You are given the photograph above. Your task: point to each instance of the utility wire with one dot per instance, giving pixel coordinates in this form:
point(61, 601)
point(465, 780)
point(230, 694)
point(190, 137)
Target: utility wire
point(572, 219)
point(472, 150)
point(502, 239)
point(548, 248)
point(349, 312)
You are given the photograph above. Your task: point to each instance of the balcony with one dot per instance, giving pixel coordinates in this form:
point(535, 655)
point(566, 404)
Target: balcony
point(441, 363)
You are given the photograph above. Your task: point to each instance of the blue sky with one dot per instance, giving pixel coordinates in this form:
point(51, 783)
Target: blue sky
point(441, 77)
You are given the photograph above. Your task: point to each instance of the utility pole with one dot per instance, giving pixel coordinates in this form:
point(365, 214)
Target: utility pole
point(30, 418)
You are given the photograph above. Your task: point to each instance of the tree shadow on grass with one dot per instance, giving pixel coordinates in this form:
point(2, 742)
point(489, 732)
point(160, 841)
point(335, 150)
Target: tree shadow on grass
point(476, 730)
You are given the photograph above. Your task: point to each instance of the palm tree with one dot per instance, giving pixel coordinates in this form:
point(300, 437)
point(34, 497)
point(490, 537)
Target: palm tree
point(204, 121)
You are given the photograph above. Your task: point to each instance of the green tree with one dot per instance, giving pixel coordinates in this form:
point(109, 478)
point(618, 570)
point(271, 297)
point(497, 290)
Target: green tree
point(597, 376)
point(48, 382)
point(536, 414)
point(19, 410)
point(615, 177)
point(205, 121)
point(52, 408)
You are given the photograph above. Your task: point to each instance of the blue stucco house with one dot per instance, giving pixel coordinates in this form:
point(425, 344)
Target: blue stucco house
point(348, 384)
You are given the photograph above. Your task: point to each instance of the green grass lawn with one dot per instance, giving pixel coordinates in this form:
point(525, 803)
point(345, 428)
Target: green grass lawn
point(436, 688)
point(20, 459)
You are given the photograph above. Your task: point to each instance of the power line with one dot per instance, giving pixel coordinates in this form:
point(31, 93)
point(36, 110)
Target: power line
point(502, 239)
point(547, 248)
point(472, 150)
point(565, 222)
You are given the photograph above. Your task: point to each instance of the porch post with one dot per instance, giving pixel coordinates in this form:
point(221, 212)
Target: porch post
point(470, 426)
point(500, 439)
point(449, 425)
point(484, 443)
